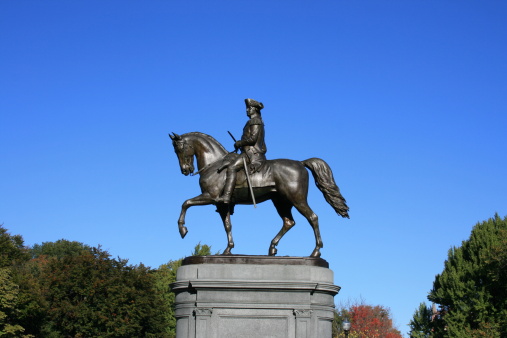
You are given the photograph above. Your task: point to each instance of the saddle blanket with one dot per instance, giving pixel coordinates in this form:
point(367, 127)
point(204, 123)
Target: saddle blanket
point(259, 179)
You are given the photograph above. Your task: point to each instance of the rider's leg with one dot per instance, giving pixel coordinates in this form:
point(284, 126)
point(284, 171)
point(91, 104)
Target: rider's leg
point(230, 182)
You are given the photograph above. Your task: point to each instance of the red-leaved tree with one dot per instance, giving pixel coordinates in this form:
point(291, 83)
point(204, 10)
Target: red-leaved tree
point(367, 321)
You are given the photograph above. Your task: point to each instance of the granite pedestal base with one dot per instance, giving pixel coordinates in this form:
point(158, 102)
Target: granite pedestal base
point(254, 296)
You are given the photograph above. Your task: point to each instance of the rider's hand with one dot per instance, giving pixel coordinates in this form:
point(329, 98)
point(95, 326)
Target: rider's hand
point(237, 145)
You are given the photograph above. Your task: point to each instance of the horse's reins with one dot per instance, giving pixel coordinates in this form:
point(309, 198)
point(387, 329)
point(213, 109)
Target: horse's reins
point(203, 169)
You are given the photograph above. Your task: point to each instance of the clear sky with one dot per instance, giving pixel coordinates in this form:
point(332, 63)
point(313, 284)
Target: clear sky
point(406, 101)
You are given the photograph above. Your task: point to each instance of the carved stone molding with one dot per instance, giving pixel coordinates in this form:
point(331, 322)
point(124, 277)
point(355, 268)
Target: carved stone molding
point(302, 313)
point(203, 312)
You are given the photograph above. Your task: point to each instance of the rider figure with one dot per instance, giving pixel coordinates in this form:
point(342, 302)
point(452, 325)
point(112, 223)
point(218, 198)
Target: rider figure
point(252, 147)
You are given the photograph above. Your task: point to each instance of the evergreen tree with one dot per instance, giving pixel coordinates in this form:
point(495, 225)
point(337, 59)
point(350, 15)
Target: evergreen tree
point(471, 290)
point(202, 250)
point(421, 323)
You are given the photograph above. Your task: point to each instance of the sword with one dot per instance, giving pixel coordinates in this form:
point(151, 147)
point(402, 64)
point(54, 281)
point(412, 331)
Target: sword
point(246, 172)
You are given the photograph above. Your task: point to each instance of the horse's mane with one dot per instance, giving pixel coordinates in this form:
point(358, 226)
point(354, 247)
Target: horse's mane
point(209, 138)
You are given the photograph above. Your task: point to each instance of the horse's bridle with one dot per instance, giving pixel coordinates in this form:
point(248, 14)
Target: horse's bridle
point(181, 148)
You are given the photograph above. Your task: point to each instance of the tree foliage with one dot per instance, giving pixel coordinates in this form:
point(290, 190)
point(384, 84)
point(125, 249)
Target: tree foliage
point(8, 305)
point(421, 324)
point(367, 321)
point(69, 289)
point(12, 254)
point(33, 305)
point(61, 248)
point(471, 291)
point(12, 250)
point(92, 295)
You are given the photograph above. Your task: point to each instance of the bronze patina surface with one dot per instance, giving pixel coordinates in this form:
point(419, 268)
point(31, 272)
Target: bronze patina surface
point(227, 179)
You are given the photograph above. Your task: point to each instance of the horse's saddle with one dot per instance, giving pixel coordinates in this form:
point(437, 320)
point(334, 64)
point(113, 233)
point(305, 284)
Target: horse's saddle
point(260, 179)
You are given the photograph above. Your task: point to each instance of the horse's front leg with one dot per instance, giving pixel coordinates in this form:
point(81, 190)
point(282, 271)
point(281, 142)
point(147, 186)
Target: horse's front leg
point(202, 199)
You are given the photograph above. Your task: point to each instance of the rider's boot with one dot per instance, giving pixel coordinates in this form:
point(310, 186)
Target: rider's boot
point(230, 182)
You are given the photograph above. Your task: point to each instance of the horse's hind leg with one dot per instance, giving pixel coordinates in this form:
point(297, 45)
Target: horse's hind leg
point(306, 211)
point(225, 214)
point(284, 210)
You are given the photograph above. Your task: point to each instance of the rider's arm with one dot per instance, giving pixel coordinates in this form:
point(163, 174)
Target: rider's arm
point(255, 130)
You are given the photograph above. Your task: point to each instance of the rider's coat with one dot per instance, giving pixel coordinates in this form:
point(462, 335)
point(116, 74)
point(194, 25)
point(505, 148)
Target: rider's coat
point(253, 144)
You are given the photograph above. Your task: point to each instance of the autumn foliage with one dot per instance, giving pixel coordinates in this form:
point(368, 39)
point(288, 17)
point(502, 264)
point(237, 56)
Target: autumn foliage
point(367, 321)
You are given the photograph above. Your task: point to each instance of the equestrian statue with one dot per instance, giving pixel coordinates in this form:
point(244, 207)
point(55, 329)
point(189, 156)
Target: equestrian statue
point(228, 178)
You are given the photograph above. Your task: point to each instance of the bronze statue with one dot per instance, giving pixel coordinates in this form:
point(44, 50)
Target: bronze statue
point(253, 148)
point(284, 182)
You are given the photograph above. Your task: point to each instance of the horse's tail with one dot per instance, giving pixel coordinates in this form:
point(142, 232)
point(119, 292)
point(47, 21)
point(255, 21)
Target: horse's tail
point(325, 182)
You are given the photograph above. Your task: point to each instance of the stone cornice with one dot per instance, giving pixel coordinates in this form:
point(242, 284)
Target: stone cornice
point(201, 284)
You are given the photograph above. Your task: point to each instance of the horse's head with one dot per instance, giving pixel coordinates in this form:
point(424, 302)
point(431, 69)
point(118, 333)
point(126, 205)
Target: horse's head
point(185, 153)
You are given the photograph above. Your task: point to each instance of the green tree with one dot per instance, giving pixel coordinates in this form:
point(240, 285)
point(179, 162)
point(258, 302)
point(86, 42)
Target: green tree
point(12, 254)
point(12, 250)
point(69, 289)
point(8, 305)
point(497, 270)
point(421, 323)
point(33, 305)
point(471, 290)
point(32, 278)
point(202, 250)
point(60, 248)
point(93, 295)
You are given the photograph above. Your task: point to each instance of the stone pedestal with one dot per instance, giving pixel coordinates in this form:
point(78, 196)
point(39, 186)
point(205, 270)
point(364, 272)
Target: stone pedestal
point(254, 296)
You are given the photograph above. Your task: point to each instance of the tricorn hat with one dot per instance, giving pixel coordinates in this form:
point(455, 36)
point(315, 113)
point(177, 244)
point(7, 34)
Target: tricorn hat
point(253, 103)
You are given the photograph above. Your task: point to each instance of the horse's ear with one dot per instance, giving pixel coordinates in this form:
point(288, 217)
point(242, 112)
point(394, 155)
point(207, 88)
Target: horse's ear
point(175, 137)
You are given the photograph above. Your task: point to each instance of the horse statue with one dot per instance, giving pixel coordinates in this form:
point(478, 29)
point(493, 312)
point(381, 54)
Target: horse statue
point(284, 182)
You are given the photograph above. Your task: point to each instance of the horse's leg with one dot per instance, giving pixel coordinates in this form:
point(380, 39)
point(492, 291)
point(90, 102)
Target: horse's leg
point(284, 210)
point(225, 214)
point(202, 199)
point(297, 195)
point(305, 210)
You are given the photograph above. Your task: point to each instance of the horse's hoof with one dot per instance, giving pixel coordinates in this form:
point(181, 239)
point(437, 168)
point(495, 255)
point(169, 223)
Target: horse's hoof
point(183, 231)
point(315, 253)
point(227, 252)
point(272, 251)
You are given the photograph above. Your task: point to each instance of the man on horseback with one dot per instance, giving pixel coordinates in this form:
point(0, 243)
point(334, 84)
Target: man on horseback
point(252, 146)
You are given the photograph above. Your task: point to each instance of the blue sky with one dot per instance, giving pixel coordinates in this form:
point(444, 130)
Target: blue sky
point(406, 101)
